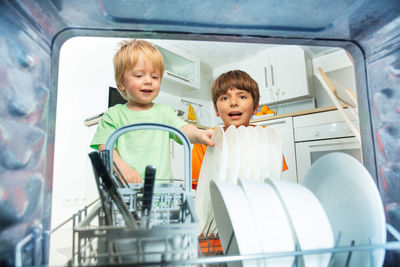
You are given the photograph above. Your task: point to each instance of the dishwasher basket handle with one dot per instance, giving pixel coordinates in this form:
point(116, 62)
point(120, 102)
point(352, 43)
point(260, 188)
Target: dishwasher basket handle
point(153, 126)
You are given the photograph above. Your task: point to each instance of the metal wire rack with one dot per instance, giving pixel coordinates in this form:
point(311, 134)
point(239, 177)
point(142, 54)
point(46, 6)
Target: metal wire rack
point(172, 237)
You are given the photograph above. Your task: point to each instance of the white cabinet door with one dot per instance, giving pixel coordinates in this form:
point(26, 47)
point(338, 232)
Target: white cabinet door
point(285, 75)
point(284, 127)
point(181, 70)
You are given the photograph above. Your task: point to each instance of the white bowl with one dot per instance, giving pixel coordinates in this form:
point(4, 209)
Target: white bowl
point(352, 202)
point(309, 223)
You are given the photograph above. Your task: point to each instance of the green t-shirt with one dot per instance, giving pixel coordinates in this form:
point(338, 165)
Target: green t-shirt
point(139, 148)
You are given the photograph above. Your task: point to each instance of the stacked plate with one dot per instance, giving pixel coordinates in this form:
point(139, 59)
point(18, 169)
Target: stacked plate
point(353, 205)
point(253, 153)
point(337, 204)
point(256, 217)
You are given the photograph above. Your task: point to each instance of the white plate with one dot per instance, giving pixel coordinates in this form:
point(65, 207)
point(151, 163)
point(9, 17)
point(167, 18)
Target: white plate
point(246, 156)
point(352, 202)
point(309, 223)
point(233, 216)
point(234, 155)
point(265, 162)
point(270, 218)
point(255, 153)
point(214, 167)
point(275, 152)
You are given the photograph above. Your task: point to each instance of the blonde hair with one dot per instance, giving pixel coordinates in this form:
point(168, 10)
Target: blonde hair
point(128, 56)
point(235, 79)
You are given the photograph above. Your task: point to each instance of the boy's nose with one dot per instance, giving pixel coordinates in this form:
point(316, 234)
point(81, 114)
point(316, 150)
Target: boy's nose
point(147, 79)
point(234, 102)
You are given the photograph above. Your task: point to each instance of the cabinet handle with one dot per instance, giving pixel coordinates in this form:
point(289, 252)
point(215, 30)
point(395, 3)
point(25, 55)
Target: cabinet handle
point(272, 75)
point(177, 76)
point(266, 77)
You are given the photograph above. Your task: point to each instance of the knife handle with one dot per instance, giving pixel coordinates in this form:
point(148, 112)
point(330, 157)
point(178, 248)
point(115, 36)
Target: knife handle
point(150, 176)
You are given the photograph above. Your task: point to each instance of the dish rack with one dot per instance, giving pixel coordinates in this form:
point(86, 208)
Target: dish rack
point(171, 236)
point(120, 230)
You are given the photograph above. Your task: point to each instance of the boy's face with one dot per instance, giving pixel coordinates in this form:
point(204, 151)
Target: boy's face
point(235, 107)
point(142, 84)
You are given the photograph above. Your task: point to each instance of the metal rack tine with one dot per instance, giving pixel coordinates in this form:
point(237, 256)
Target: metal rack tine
point(350, 253)
point(371, 252)
point(298, 258)
point(336, 244)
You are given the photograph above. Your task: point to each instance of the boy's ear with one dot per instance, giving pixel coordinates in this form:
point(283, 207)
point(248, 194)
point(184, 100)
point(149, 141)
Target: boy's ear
point(121, 87)
point(216, 111)
point(255, 110)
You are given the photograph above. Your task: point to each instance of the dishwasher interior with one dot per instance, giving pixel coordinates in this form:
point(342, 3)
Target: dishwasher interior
point(31, 36)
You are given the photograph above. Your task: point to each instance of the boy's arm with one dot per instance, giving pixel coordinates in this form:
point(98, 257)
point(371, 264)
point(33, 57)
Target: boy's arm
point(197, 136)
point(130, 175)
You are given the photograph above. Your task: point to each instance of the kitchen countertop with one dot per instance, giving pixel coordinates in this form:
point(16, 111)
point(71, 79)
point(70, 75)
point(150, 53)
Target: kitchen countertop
point(94, 121)
point(294, 114)
point(291, 114)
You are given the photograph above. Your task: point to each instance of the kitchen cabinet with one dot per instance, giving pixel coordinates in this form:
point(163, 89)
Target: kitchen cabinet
point(287, 75)
point(282, 73)
point(284, 127)
point(332, 61)
point(181, 70)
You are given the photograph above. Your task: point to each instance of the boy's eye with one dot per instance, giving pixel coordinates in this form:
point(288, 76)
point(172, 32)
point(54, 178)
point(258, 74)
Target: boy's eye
point(243, 97)
point(223, 98)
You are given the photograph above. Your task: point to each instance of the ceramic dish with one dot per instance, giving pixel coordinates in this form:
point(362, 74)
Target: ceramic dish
point(352, 202)
point(234, 155)
point(272, 225)
point(244, 171)
point(265, 162)
point(309, 223)
point(275, 152)
point(254, 148)
point(233, 217)
point(214, 167)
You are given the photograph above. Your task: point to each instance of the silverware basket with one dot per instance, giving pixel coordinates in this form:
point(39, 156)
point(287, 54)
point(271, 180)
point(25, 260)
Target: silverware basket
point(112, 232)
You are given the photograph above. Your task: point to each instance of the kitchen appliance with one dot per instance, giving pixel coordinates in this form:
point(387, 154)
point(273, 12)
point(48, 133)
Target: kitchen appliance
point(309, 152)
point(319, 134)
point(31, 36)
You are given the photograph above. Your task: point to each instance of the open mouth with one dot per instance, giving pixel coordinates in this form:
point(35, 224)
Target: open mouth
point(146, 91)
point(235, 114)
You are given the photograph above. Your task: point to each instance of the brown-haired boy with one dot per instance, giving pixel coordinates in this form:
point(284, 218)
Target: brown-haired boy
point(235, 96)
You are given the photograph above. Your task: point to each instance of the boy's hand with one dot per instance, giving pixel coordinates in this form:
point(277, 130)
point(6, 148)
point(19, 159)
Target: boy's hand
point(197, 136)
point(206, 137)
point(131, 175)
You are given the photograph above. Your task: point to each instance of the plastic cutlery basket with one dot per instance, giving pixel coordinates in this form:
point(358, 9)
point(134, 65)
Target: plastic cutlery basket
point(172, 232)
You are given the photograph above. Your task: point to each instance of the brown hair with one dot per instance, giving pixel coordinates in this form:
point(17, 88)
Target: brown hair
point(235, 79)
point(128, 55)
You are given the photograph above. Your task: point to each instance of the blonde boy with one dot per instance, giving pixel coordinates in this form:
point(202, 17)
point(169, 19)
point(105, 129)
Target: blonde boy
point(138, 70)
point(235, 96)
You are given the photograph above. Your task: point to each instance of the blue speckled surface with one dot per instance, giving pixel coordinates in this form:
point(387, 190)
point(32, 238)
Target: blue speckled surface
point(32, 32)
